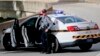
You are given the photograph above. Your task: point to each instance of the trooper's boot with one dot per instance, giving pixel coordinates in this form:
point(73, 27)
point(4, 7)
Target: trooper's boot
point(49, 51)
point(43, 50)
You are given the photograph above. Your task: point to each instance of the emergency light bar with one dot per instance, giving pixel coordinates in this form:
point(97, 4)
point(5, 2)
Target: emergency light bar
point(58, 12)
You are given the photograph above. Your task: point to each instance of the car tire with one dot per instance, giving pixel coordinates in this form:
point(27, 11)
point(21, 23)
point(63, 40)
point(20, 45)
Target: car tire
point(7, 43)
point(55, 46)
point(85, 47)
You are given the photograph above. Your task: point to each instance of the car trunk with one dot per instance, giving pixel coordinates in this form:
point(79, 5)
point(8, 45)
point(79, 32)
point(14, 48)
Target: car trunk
point(83, 25)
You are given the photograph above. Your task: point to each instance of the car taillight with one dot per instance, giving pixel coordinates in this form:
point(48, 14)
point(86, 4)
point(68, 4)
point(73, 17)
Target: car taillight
point(96, 26)
point(72, 28)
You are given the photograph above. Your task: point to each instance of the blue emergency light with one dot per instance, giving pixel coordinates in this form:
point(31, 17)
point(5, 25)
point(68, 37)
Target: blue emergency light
point(58, 12)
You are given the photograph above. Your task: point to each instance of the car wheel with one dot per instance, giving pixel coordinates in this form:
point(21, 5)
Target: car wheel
point(7, 43)
point(85, 47)
point(55, 45)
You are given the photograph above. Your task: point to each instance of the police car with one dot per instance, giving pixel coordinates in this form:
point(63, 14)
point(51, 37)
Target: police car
point(67, 31)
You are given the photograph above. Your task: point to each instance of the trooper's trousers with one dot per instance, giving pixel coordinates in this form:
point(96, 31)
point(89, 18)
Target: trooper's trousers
point(46, 46)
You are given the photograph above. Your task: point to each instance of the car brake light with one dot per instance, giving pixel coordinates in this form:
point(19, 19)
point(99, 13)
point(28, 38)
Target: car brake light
point(96, 26)
point(72, 28)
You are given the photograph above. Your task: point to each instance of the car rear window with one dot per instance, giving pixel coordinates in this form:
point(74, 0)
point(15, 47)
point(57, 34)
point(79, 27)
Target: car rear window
point(70, 19)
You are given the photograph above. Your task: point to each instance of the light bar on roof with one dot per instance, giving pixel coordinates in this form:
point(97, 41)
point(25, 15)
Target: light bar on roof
point(58, 12)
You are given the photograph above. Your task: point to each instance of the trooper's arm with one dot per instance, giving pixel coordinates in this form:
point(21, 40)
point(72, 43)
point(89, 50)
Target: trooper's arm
point(50, 24)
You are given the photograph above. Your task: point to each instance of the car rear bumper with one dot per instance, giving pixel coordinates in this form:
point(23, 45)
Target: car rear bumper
point(64, 37)
point(90, 40)
point(87, 36)
point(80, 41)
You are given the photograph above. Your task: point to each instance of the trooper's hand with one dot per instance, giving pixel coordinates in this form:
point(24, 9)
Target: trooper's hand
point(46, 30)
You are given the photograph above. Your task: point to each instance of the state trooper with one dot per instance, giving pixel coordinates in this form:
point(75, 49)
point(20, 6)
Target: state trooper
point(45, 25)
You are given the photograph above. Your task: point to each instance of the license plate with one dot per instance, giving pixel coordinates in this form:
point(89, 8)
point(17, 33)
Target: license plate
point(89, 40)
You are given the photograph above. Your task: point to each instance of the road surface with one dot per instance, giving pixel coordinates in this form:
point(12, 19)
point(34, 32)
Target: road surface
point(75, 51)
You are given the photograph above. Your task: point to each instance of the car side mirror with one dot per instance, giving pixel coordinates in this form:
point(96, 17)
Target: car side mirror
point(16, 22)
point(53, 23)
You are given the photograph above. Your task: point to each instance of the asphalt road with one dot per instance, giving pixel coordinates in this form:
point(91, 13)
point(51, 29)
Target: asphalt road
point(73, 51)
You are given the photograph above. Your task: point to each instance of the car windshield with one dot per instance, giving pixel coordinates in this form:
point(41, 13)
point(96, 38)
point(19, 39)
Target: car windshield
point(70, 19)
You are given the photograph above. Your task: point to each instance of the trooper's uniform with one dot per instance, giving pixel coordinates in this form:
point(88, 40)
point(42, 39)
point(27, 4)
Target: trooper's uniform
point(45, 24)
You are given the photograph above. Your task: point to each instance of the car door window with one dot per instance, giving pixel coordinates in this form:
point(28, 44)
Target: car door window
point(31, 22)
point(70, 19)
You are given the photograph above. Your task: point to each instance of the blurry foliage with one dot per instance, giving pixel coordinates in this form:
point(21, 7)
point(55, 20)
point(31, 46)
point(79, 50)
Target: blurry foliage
point(5, 19)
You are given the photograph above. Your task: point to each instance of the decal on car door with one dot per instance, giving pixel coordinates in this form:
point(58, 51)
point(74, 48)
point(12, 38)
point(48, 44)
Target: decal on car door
point(25, 37)
point(13, 40)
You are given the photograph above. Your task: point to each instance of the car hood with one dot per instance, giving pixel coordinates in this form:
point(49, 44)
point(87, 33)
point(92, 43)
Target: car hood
point(8, 30)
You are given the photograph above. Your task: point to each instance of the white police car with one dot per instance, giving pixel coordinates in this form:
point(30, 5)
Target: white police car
point(67, 31)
